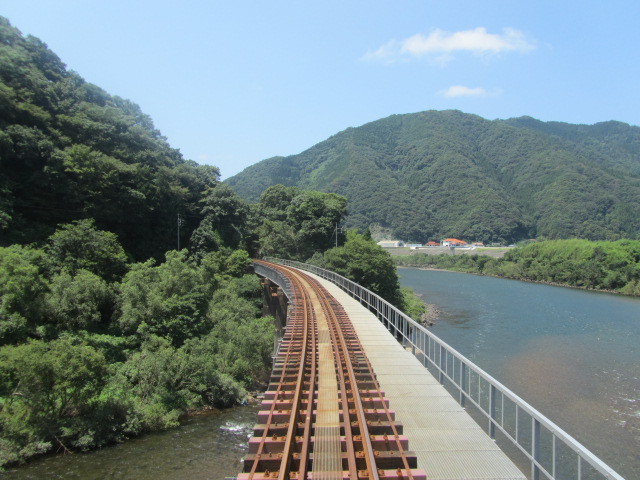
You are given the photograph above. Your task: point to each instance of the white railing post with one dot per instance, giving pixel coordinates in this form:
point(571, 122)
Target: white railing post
point(492, 411)
point(463, 374)
point(535, 449)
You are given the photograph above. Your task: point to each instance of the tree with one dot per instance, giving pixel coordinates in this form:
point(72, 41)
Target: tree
point(167, 300)
point(297, 223)
point(53, 394)
point(80, 301)
point(23, 285)
point(224, 222)
point(366, 263)
point(81, 246)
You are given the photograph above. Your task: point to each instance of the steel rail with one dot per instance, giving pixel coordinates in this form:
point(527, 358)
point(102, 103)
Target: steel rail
point(306, 435)
point(351, 456)
point(358, 401)
point(387, 413)
point(287, 453)
point(344, 369)
point(352, 370)
point(288, 357)
point(343, 358)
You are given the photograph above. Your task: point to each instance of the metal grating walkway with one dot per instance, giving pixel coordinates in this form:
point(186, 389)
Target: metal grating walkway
point(327, 449)
point(449, 444)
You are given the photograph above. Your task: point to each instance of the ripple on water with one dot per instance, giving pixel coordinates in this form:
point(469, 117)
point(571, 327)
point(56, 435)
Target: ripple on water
point(204, 447)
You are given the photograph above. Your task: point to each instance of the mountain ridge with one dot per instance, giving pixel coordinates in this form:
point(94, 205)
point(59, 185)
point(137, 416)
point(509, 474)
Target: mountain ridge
point(448, 173)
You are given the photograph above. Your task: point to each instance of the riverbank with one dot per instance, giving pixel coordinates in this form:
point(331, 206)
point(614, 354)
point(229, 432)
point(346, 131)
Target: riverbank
point(430, 317)
point(495, 252)
point(612, 267)
point(540, 282)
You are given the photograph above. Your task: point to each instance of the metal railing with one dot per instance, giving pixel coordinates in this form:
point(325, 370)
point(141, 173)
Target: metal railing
point(529, 438)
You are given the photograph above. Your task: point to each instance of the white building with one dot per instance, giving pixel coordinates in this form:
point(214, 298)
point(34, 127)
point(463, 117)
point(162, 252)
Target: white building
point(391, 243)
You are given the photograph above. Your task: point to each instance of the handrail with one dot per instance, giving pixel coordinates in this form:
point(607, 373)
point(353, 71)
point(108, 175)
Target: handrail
point(534, 435)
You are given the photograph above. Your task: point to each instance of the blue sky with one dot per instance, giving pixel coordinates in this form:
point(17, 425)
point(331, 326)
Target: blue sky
point(232, 83)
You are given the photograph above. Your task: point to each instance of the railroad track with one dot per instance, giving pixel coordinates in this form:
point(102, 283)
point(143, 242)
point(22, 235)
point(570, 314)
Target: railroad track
point(324, 415)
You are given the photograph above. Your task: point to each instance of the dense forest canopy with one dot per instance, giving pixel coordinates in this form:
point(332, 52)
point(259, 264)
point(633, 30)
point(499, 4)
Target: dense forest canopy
point(433, 175)
point(94, 346)
point(69, 150)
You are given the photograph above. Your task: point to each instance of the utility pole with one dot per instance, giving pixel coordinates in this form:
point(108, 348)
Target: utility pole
point(180, 223)
point(338, 230)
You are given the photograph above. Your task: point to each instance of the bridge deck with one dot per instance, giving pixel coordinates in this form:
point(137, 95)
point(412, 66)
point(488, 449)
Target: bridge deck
point(449, 444)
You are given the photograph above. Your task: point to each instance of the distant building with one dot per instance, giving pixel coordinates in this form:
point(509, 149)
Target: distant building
point(478, 244)
point(413, 246)
point(391, 243)
point(432, 244)
point(453, 242)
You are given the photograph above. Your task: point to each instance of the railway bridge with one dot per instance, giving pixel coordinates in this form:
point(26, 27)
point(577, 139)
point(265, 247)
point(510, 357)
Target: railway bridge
point(360, 391)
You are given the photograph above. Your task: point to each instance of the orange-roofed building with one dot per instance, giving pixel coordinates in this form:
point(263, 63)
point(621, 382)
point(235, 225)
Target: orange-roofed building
point(432, 244)
point(453, 242)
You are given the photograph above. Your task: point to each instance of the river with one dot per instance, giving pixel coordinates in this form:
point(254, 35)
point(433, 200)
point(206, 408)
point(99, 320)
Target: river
point(572, 354)
point(207, 446)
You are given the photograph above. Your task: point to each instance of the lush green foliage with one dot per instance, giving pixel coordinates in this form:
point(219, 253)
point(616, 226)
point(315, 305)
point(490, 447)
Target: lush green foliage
point(432, 175)
point(361, 260)
point(581, 263)
point(412, 304)
point(95, 349)
point(295, 223)
point(69, 150)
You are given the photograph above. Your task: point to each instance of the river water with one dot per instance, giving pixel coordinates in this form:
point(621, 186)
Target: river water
point(573, 355)
point(207, 446)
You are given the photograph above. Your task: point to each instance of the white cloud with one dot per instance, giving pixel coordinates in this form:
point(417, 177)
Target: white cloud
point(462, 91)
point(443, 44)
point(387, 53)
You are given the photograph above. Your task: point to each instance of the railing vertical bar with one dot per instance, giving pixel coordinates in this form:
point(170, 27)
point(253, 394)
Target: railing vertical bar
point(579, 467)
point(553, 455)
point(535, 448)
point(405, 332)
point(463, 369)
point(492, 411)
point(517, 425)
point(425, 354)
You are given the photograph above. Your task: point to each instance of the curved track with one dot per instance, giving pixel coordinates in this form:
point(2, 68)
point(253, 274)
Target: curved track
point(324, 415)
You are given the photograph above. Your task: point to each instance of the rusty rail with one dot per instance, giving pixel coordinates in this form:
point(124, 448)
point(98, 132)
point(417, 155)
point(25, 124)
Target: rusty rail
point(315, 423)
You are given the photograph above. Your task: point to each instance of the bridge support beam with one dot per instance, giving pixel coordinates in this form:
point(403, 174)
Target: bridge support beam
point(276, 304)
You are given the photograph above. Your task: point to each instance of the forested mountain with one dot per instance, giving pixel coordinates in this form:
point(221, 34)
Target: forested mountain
point(106, 331)
point(439, 174)
point(69, 150)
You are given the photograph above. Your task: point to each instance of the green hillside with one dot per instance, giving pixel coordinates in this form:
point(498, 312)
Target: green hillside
point(438, 174)
point(69, 150)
